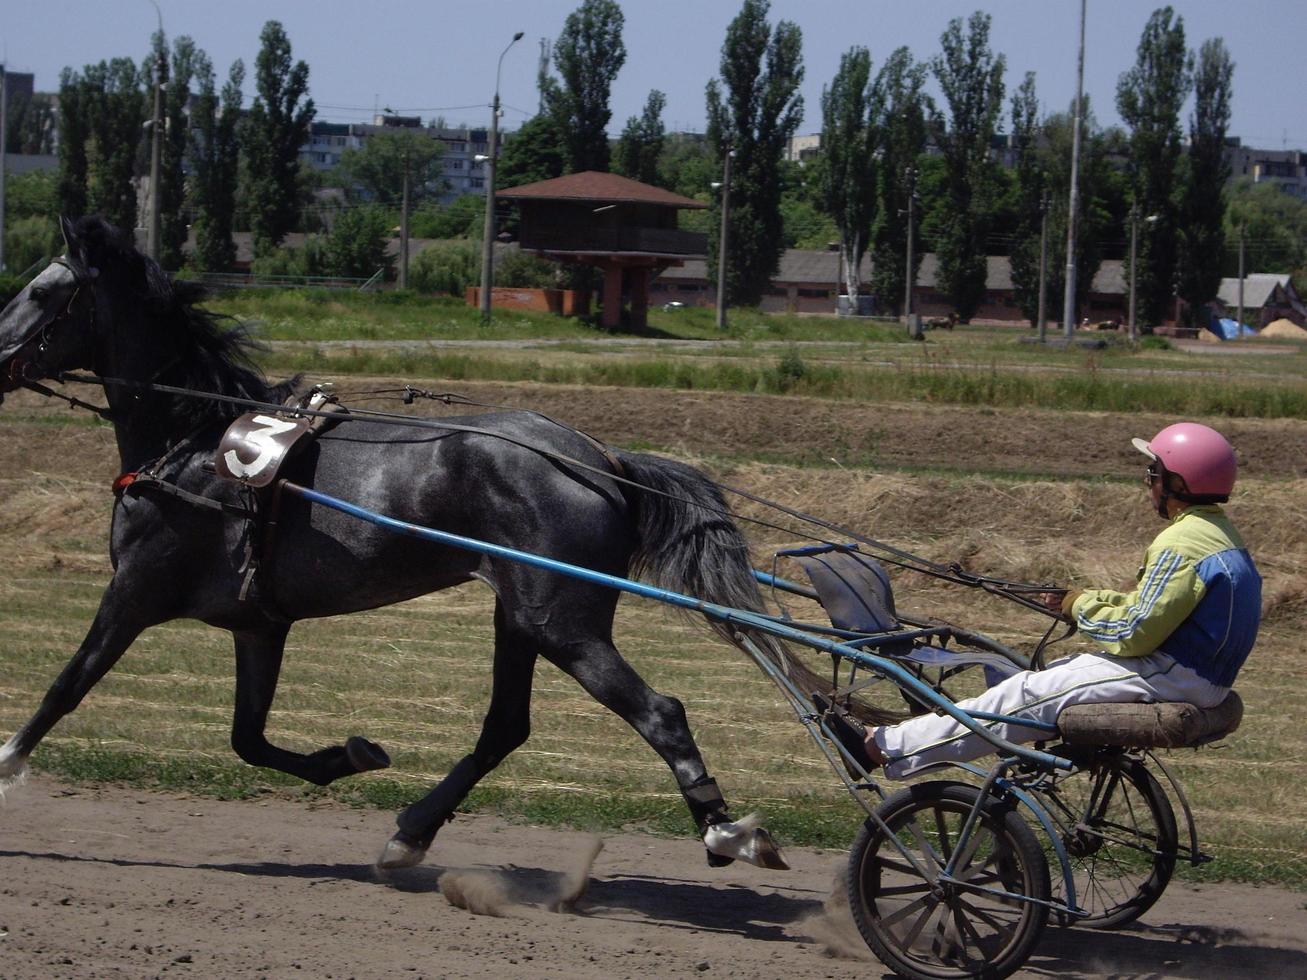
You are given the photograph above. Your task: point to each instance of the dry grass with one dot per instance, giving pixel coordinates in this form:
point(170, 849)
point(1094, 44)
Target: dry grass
point(415, 677)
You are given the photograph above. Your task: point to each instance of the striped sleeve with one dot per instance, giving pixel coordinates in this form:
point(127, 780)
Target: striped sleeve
point(1134, 624)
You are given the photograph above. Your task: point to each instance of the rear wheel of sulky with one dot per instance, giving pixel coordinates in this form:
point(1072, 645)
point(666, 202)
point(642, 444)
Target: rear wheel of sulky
point(983, 922)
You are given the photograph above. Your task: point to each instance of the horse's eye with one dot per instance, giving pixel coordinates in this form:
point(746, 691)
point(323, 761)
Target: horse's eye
point(38, 295)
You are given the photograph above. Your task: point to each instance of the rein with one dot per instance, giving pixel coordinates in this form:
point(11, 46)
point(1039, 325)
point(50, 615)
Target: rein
point(1017, 592)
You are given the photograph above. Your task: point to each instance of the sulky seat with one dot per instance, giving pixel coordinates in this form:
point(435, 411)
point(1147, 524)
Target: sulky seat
point(1163, 725)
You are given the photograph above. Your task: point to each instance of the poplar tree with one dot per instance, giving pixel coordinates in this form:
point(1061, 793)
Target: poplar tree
point(1031, 188)
point(904, 106)
point(117, 110)
point(276, 127)
point(971, 77)
point(760, 109)
point(173, 215)
point(641, 143)
point(74, 131)
point(1149, 97)
point(215, 156)
point(846, 189)
point(588, 55)
point(1202, 207)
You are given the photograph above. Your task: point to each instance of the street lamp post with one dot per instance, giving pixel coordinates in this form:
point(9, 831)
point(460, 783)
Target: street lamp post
point(4, 98)
point(723, 241)
point(492, 153)
point(1073, 210)
point(1041, 315)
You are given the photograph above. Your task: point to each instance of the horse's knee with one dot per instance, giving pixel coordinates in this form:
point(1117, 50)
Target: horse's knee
point(250, 748)
point(498, 741)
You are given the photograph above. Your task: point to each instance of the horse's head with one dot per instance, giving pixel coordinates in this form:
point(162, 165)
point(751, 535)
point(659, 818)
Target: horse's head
point(49, 327)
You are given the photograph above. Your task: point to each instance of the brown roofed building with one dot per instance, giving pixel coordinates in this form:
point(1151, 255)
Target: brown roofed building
point(622, 226)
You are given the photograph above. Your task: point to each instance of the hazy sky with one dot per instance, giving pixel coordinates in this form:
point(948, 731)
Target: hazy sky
point(429, 57)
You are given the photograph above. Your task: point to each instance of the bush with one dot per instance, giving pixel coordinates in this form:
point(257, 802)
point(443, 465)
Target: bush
point(462, 218)
point(445, 269)
point(30, 240)
point(356, 246)
point(517, 268)
point(309, 260)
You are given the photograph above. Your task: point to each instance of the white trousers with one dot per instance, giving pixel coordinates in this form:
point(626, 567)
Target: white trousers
point(1086, 678)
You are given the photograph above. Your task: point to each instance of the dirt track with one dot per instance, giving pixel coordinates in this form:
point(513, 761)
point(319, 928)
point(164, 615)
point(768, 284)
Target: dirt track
point(107, 882)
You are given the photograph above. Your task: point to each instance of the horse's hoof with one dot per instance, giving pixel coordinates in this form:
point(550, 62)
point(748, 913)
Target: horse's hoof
point(364, 755)
point(399, 854)
point(745, 840)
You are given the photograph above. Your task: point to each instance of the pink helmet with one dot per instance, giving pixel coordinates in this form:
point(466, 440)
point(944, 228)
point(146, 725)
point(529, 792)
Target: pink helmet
point(1200, 455)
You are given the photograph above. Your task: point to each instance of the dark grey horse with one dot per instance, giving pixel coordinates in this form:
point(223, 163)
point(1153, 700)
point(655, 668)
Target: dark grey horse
point(105, 308)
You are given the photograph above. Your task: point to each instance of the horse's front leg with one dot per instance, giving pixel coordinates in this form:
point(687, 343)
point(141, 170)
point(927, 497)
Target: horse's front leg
point(118, 622)
point(258, 665)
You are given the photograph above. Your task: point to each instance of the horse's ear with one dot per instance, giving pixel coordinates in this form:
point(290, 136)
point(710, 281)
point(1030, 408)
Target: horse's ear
point(72, 245)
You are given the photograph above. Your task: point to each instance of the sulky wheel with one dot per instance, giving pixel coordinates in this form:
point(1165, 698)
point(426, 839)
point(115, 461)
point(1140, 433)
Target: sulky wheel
point(978, 924)
point(1118, 828)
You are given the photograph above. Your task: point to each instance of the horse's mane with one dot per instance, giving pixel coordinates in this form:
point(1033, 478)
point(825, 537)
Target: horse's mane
point(200, 350)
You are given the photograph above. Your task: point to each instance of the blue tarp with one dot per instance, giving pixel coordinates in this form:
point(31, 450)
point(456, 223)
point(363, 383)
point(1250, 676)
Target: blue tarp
point(1230, 330)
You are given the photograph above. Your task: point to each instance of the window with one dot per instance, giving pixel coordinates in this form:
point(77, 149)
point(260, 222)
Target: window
point(478, 182)
point(455, 164)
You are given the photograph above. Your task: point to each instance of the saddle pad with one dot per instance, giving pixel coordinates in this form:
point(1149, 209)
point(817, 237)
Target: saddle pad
point(1165, 725)
point(253, 448)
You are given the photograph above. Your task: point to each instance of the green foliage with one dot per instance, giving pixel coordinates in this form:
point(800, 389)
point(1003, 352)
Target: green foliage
point(1201, 246)
point(805, 226)
point(214, 154)
point(449, 269)
point(356, 246)
point(33, 194)
point(74, 131)
point(686, 166)
point(1273, 224)
point(849, 139)
point(754, 118)
point(101, 114)
point(379, 166)
point(30, 239)
point(275, 128)
point(1031, 199)
point(971, 77)
point(1149, 97)
point(30, 124)
point(588, 54)
point(311, 260)
point(904, 106)
point(517, 268)
point(641, 143)
point(462, 218)
point(535, 152)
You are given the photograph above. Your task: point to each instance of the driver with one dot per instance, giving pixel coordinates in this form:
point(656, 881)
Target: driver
point(1181, 635)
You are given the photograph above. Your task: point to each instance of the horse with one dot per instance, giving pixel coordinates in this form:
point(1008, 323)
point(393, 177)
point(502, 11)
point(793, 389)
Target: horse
point(517, 478)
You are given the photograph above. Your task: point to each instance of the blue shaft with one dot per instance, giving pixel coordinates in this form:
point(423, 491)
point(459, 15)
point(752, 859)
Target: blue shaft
point(726, 614)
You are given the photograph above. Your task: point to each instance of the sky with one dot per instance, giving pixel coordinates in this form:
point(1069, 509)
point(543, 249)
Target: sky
point(436, 58)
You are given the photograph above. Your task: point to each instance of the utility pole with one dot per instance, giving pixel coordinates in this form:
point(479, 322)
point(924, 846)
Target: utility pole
point(4, 125)
point(1134, 251)
point(1042, 316)
point(403, 224)
point(1073, 212)
point(911, 175)
point(492, 150)
point(156, 141)
point(723, 241)
point(1239, 316)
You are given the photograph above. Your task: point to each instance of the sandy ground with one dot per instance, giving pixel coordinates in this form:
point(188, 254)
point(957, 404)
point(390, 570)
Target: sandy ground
point(111, 882)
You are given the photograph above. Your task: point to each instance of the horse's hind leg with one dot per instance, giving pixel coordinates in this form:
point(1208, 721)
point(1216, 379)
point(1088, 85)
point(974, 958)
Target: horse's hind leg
point(258, 665)
point(117, 624)
point(507, 725)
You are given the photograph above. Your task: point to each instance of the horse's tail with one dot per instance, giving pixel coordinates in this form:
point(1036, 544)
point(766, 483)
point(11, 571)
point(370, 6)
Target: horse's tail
point(689, 544)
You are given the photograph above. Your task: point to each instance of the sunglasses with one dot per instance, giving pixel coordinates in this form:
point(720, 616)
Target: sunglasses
point(1152, 476)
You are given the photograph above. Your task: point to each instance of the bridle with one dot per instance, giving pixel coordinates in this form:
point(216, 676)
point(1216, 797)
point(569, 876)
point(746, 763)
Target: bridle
point(24, 370)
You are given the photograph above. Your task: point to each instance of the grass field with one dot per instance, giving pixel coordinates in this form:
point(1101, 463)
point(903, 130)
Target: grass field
point(416, 676)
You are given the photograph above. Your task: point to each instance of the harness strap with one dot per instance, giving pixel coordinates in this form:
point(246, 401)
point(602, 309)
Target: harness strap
point(148, 481)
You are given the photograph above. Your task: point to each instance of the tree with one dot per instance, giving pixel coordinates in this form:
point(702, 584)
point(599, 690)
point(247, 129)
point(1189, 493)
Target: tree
point(1149, 97)
point(534, 152)
point(641, 144)
point(848, 145)
point(588, 54)
point(275, 129)
point(686, 166)
point(1201, 247)
point(761, 70)
point(903, 104)
point(462, 218)
point(74, 129)
point(378, 166)
point(1031, 198)
point(215, 151)
point(173, 216)
point(30, 124)
point(971, 77)
point(357, 243)
point(1273, 225)
point(118, 109)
